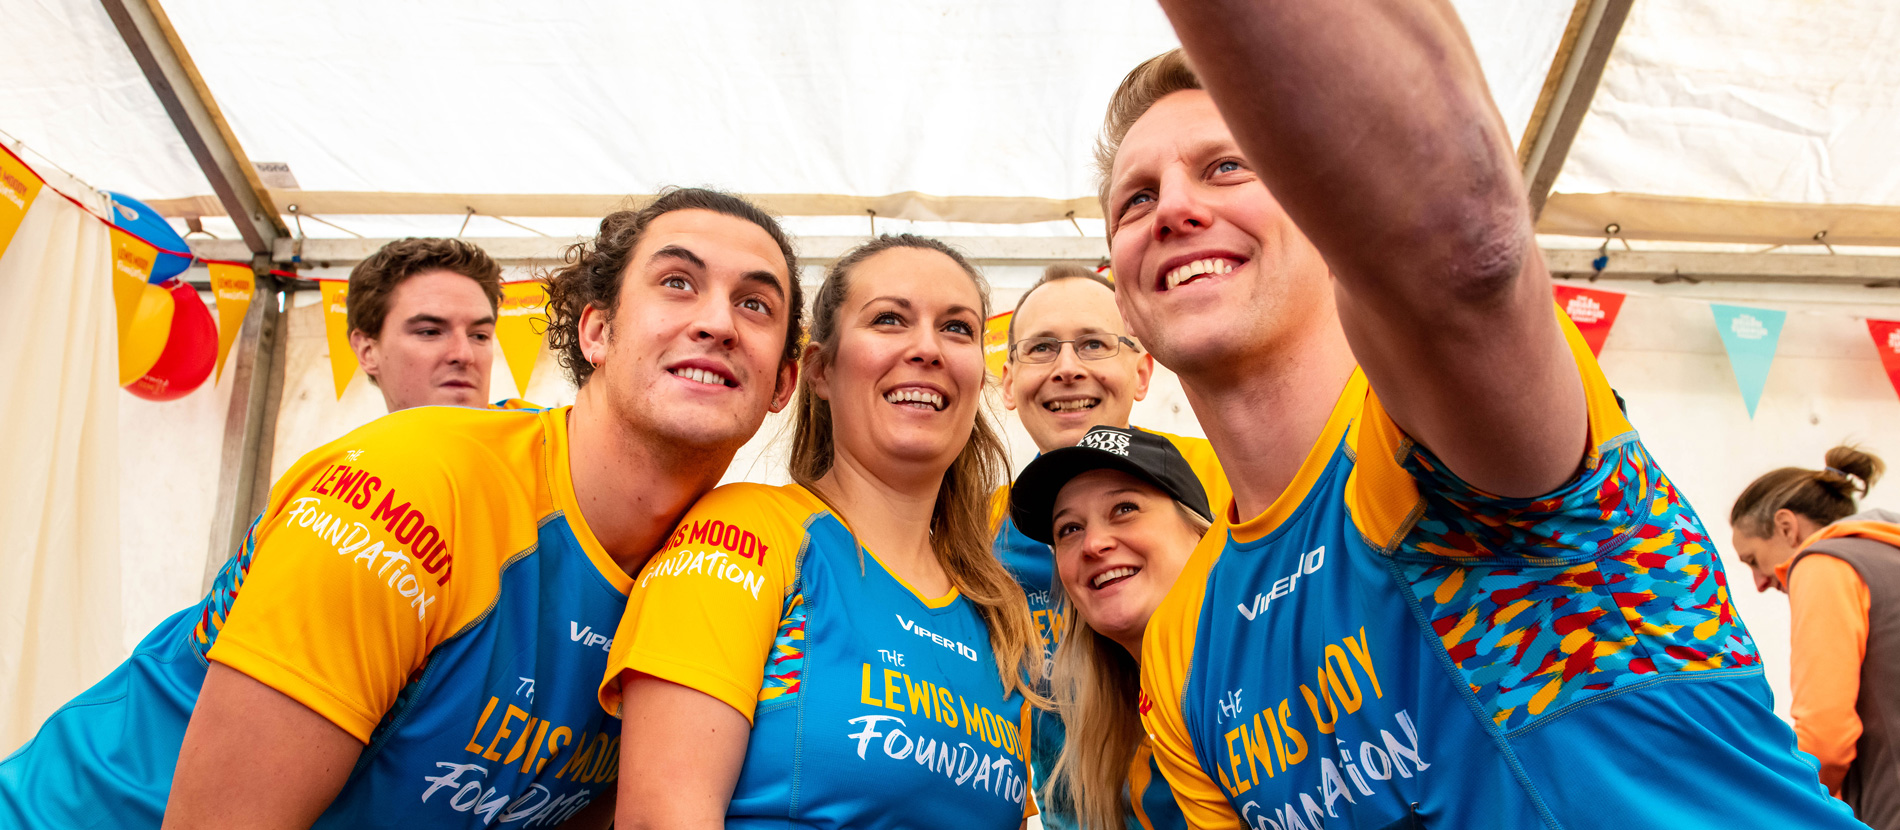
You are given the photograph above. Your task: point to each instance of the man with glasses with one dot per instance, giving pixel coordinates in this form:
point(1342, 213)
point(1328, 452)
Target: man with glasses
point(1073, 367)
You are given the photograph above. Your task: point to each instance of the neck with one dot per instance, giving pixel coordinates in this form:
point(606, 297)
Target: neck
point(633, 488)
point(890, 512)
point(1264, 415)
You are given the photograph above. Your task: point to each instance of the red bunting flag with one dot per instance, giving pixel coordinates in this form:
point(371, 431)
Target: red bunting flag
point(1887, 341)
point(1593, 311)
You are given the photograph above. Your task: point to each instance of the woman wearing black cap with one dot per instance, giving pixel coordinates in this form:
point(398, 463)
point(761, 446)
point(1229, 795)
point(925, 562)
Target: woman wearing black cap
point(1123, 511)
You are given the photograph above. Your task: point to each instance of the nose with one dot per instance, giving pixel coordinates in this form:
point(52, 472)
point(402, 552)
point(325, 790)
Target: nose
point(715, 323)
point(461, 352)
point(925, 349)
point(1764, 582)
point(1068, 365)
point(1180, 208)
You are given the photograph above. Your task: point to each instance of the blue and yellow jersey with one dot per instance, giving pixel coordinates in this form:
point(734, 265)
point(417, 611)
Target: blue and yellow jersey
point(1032, 563)
point(1388, 647)
point(871, 705)
point(427, 584)
point(514, 403)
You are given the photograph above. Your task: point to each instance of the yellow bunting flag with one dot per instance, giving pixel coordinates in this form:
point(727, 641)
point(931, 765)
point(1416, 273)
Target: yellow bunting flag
point(336, 327)
point(519, 325)
point(996, 342)
point(233, 286)
point(132, 262)
point(18, 186)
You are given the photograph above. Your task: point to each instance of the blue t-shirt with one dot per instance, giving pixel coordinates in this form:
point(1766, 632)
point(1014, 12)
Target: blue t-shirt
point(427, 584)
point(1386, 647)
point(872, 706)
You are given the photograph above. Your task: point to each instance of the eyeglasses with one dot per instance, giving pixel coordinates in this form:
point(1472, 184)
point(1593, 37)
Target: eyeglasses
point(1087, 347)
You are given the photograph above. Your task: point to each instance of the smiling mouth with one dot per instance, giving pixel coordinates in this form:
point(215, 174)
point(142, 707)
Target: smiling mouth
point(1112, 576)
point(1195, 270)
point(701, 376)
point(1076, 405)
point(916, 399)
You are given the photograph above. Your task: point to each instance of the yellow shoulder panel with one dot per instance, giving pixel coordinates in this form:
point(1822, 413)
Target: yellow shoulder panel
point(382, 544)
point(1167, 653)
point(705, 610)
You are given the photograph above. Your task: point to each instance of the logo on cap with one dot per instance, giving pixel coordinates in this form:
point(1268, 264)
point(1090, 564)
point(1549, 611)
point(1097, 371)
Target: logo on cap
point(1106, 441)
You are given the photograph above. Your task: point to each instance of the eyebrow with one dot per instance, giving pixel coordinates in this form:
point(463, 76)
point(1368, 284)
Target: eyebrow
point(767, 278)
point(437, 320)
point(1051, 333)
point(679, 253)
point(905, 304)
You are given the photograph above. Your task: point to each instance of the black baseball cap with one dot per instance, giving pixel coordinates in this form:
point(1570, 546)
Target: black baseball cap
point(1144, 455)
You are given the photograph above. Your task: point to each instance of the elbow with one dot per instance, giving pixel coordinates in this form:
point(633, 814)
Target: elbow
point(1489, 252)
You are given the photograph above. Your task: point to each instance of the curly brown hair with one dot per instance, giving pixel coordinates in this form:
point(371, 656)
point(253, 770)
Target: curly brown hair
point(374, 280)
point(593, 270)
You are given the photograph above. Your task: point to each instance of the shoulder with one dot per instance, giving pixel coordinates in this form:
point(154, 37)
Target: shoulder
point(1167, 648)
point(449, 438)
point(760, 500)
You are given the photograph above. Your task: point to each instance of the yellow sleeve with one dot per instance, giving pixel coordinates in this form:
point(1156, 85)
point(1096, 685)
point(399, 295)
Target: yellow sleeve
point(1025, 728)
point(1200, 458)
point(1167, 651)
point(353, 574)
point(706, 608)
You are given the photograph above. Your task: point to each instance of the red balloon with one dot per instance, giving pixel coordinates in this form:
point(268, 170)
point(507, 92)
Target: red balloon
point(189, 353)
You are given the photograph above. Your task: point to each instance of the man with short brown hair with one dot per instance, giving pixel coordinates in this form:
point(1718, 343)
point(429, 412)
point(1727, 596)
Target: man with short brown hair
point(422, 321)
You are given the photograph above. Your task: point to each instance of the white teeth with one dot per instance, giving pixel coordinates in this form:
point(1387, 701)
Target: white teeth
point(700, 376)
point(916, 396)
point(1112, 573)
point(1211, 265)
point(1072, 406)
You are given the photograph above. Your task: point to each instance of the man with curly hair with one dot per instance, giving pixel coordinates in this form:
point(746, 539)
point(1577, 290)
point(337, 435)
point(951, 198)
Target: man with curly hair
point(414, 629)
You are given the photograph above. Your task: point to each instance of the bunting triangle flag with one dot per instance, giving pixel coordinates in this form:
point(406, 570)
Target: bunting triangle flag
point(1750, 336)
point(336, 329)
point(1593, 310)
point(1887, 341)
point(232, 287)
point(132, 261)
point(996, 342)
point(19, 185)
point(519, 326)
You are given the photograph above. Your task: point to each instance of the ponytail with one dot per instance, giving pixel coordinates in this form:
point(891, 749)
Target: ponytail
point(1823, 496)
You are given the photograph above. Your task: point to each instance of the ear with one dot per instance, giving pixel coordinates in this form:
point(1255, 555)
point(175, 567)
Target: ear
point(594, 334)
point(365, 348)
point(1787, 527)
point(1144, 372)
point(1009, 387)
point(786, 384)
point(813, 365)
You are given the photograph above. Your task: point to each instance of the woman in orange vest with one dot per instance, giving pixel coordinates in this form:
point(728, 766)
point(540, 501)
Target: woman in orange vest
point(1846, 618)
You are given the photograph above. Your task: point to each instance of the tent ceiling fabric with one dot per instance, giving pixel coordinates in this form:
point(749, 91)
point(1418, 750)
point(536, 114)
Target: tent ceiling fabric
point(69, 89)
point(952, 98)
point(1748, 101)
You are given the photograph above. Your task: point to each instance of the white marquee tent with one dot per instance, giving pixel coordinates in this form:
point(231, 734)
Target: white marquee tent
point(1742, 150)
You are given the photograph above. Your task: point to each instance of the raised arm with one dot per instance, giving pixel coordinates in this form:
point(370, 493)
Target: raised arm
point(1370, 122)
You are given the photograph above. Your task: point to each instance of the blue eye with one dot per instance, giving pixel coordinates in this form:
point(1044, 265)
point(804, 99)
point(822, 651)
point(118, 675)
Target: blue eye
point(960, 327)
point(1228, 166)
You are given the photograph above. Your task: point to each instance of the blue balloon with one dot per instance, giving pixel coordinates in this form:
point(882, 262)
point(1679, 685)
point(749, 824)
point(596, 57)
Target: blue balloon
point(135, 217)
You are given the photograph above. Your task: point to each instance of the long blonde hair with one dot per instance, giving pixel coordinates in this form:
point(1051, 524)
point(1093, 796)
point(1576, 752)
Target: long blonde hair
point(1097, 689)
point(959, 525)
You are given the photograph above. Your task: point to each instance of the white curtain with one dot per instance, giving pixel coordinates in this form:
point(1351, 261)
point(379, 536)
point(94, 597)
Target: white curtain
point(60, 628)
